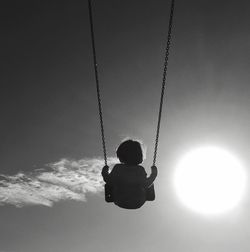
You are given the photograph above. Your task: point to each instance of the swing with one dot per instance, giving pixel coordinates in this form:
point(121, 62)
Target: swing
point(150, 192)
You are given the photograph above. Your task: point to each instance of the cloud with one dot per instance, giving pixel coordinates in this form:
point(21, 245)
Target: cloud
point(63, 180)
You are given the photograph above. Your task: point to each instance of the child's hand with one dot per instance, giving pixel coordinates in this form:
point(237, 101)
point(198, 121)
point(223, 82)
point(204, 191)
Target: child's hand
point(154, 170)
point(105, 170)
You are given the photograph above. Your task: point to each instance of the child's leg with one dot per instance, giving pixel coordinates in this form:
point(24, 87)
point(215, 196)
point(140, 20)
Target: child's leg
point(108, 193)
point(150, 193)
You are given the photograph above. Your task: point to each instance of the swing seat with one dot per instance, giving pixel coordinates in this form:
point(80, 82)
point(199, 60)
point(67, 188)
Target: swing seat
point(150, 193)
point(109, 197)
point(108, 193)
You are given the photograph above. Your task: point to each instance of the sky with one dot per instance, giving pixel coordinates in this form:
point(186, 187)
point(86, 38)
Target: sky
point(51, 191)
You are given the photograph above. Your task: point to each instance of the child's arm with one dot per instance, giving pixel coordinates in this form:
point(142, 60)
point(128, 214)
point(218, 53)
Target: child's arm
point(152, 176)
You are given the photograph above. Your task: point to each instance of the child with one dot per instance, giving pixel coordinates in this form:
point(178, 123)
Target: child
point(127, 184)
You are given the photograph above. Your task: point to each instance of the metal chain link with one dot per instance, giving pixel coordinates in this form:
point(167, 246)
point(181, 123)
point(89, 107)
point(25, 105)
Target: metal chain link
point(170, 24)
point(97, 83)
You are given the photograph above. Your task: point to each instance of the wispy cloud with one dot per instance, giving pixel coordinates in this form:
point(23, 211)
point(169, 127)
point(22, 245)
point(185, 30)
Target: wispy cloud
point(63, 180)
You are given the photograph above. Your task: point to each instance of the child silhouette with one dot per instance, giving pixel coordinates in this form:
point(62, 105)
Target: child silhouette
point(127, 185)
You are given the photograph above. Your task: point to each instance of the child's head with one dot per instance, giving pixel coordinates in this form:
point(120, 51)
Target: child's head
point(130, 152)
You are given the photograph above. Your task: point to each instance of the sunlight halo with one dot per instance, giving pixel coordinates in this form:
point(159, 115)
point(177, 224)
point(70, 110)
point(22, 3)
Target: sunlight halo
point(209, 180)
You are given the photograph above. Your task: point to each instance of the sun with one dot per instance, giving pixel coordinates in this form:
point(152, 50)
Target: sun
point(209, 180)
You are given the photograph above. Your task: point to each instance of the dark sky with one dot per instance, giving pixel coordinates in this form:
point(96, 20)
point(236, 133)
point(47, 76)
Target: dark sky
point(49, 112)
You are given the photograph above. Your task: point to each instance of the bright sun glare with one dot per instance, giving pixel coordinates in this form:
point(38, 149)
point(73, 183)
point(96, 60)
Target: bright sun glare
point(209, 180)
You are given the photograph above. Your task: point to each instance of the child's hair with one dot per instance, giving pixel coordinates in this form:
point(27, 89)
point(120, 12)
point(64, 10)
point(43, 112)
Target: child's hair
point(130, 152)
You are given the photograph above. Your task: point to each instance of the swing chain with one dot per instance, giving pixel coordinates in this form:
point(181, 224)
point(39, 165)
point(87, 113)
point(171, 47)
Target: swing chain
point(162, 89)
point(97, 83)
point(164, 79)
